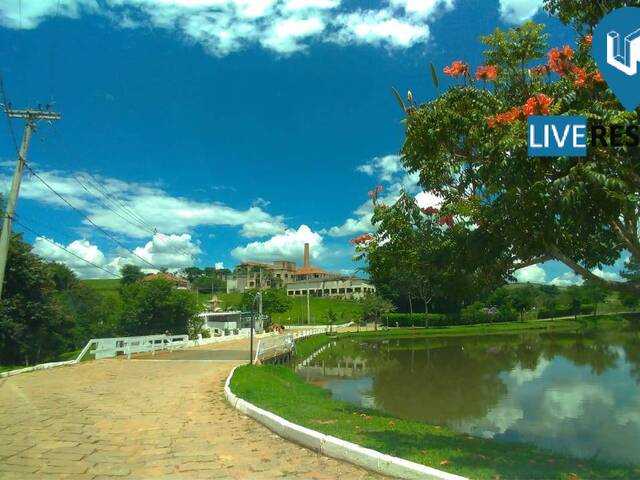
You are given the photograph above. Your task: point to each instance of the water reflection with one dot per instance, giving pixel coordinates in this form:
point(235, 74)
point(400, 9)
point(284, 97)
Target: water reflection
point(570, 392)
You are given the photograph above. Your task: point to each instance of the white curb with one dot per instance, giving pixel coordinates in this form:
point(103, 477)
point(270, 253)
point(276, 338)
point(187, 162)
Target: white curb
point(335, 447)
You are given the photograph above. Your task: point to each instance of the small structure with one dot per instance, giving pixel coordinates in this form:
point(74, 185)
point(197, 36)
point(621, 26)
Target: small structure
point(214, 305)
point(178, 282)
point(232, 321)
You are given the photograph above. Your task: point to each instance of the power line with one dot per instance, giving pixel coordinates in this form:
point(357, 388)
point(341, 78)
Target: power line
point(63, 248)
point(35, 174)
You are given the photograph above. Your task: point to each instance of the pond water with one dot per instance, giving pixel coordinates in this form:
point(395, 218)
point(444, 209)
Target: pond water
point(575, 393)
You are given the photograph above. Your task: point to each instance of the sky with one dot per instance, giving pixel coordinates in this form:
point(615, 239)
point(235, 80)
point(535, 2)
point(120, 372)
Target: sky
point(210, 132)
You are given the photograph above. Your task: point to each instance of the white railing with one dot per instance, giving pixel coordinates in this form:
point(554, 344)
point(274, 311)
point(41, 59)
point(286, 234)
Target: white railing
point(111, 347)
point(270, 347)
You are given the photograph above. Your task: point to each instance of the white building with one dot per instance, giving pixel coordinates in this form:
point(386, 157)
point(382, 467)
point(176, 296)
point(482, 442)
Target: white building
point(331, 286)
point(231, 321)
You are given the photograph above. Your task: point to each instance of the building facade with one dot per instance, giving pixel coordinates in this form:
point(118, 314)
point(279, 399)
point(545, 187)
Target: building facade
point(335, 286)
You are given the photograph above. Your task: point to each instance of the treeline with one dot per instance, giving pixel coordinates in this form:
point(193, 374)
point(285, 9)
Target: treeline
point(46, 311)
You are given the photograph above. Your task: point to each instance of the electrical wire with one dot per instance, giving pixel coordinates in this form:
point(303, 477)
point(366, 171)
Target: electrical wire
point(63, 248)
point(5, 103)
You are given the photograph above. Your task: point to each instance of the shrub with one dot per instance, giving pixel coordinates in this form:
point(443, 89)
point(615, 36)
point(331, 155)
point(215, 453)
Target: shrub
point(417, 319)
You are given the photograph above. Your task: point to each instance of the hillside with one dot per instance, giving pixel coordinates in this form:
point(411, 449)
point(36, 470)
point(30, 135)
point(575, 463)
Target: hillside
point(346, 310)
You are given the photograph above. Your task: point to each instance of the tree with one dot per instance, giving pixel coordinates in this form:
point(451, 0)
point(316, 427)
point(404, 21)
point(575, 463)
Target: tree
point(153, 307)
point(209, 284)
point(594, 294)
point(130, 274)
point(374, 307)
point(33, 327)
point(63, 277)
point(469, 147)
point(331, 318)
point(191, 273)
point(521, 298)
point(274, 300)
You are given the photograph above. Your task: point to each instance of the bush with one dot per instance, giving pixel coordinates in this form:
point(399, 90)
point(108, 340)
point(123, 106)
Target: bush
point(566, 311)
point(479, 313)
point(417, 319)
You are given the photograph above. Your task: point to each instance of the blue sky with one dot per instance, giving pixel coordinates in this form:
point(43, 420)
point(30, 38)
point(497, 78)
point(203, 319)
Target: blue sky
point(238, 129)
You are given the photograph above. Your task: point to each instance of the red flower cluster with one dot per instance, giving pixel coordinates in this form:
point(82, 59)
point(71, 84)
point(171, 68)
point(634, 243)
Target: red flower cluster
point(487, 73)
point(456, 69)
point(361, 239)
point(446, 220)
point(537, 105)
point(560, 60)
point(505, 118)
point(430, 210)
point(376, 191)
point(540, 70)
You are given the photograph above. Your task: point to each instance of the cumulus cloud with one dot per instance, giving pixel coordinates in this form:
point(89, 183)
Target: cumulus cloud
point(567, 279)
point(284, 246)
point(137, 210)
point(387, 170)
point(219, 265)
point(519, 11)
point(82, 251)
point(379, 27)
point(611, 276)
point(172, 252)
point(531, 274)
point(225, 26)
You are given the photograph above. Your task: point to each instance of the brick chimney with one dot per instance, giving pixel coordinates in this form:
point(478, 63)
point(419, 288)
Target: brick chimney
point(306, 255)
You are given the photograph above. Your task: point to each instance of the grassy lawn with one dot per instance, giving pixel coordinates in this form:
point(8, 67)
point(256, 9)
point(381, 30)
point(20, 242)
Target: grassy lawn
point(280, 390)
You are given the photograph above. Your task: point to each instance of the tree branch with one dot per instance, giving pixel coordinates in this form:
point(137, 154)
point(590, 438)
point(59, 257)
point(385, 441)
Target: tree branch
point(629, 242)
point(532, 261)
point(592, 277)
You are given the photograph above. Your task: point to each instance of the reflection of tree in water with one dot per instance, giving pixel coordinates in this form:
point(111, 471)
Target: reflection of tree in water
point(631, 347)
point(593, 349)
point(446, 382)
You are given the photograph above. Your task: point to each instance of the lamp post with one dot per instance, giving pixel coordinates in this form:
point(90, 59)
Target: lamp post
point(253, 322)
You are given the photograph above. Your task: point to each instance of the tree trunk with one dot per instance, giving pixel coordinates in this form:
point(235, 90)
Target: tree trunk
point(411, 311)
point(426, 314)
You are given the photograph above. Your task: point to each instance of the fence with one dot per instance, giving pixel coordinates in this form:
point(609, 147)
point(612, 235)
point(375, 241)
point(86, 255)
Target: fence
point(271, 347)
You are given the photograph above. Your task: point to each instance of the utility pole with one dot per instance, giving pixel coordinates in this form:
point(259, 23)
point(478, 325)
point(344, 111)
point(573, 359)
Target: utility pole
point(308, 309)
point(31, 116)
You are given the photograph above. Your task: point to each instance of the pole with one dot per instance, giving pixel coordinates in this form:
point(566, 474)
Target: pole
point(5, 236)
point(308, 309)
point(11, 202)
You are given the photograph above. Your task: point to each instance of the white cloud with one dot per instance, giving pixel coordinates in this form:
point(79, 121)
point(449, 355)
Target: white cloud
point(530, 274)
point(567, 279)
point(388, 170)
point(29, 14)
point(611, 276)
point(163, 251)
point(422, 8)
point(284, 246)
point(136, 209)
point(428, 199)
point(219, 265)
point(379, 27)
point(47, 249)
point(519, 11)
point(284, 36)
point(225, 26)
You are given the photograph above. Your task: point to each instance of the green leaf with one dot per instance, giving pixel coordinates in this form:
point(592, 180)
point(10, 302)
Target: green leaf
point(399, 99)
point(434, 76)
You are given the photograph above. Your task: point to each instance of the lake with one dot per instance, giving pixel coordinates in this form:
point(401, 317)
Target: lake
point(570, 392)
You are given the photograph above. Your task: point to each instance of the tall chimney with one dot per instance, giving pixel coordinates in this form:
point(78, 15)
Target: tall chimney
point(306, 255)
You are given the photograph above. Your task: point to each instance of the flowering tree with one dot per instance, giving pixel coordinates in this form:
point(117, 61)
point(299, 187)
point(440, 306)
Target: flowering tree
point(469, 146)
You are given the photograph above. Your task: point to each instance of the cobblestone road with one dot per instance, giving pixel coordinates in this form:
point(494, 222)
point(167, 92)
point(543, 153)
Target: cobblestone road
point(112, 419)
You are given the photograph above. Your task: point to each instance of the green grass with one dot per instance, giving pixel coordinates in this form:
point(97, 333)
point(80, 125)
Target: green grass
point(6, 368)
point(281, 391)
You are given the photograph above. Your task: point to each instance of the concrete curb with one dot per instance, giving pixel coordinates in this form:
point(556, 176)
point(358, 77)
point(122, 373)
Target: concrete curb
point(335, 447)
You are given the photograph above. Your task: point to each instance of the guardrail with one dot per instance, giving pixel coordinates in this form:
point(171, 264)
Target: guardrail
point(271, 347)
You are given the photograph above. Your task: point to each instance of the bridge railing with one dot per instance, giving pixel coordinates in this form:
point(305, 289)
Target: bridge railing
point(270, 347)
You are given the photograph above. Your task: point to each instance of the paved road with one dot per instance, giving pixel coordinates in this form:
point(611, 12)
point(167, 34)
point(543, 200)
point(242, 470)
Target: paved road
point(112, 419)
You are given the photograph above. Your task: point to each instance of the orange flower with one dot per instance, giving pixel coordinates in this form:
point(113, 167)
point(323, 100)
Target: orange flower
point(505, 118)
point(581, 77)
point(587, 40)
point(537, 105)
point(487, 73)
point(539, 70)
point(560, 60)
point(597, 77)
point(456, 69)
